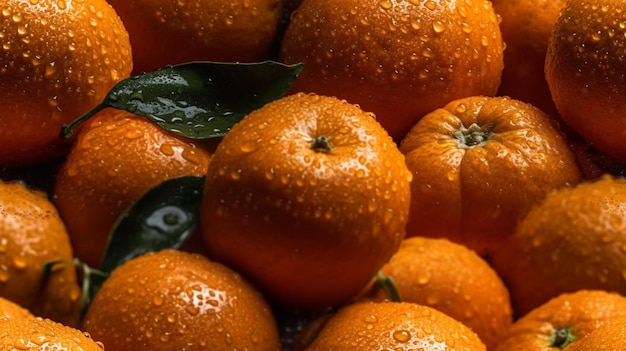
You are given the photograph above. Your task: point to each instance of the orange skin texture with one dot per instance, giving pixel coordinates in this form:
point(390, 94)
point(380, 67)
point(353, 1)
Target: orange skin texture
point(526, 27)
point(10, 309)
point(574, 239)
point(586, 72)
point(32, 235)
point(475, 196)
point(35, 333)
point(452, 279)
point(398, 59)
point(309, 228)
point(164, 32)
point(116, 158)
point(608, 337)
point(583, 311)
point(62, 61)
point(174, 300)
point(394, 326)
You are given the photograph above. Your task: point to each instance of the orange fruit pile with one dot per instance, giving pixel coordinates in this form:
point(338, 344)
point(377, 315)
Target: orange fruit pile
point(428, 175)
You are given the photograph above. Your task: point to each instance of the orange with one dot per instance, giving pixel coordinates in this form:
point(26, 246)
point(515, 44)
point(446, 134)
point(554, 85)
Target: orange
point(116, 158)
point(399, 59)
point(609, 336)
point(452, 279)
point(307, 197)
point(166, 32)
point(58, 59)
point(393, 326)
point(526, 27)
point(562, 320)
point(9, 309)
point(32, 235)
point(479, 164)
point(173, 300)
point(574, 239)
point(43, 334)
point(586, 73)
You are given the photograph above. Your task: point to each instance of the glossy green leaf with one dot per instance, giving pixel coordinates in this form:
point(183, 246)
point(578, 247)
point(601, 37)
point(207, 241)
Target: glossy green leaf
point(163, 218)
point(198, 100)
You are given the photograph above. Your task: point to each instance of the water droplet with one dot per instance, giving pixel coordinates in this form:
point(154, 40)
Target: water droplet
point(19, 263)
point(50, 70)
point(371, 319)
point(596, 36)
point(4, 276)
point(423, 278)
point(432, 300)
point(249, 146)
point(235, 174)
point(431, 5)
point(402, 335)
point(438, 26)
point(385, 4)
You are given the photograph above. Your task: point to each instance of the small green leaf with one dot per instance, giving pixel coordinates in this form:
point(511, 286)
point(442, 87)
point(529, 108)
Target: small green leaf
point(163, 218)
point(198, 100)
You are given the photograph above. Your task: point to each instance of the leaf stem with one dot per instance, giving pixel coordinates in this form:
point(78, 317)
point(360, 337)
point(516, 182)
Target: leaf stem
point(388, 285)
point(68, 129)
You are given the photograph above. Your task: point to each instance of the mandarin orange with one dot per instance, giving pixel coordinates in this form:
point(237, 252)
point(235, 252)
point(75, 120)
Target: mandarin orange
point(452, 279)
point(174, 300)
point(562, 320)
point(39, 334)
point(58, 59)
point(586, 73)
point(393, 326)
point(307, 197)
point(479, 164)
point(116, 158)
point(399, 59)
point(574, 239)
point(526, 28)
point(33, 237)
point(165, 32)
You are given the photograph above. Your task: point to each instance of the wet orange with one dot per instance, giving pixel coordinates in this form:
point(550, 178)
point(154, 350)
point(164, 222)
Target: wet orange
point(586, 73)
point(116, 158)
point(165, 32)
point(10, 309)
point(562, 320)
point(173, 300)
point(399, 59)
point(526, 27)
point(452, 279)
point(58, 59)
point(574, 239)
point(479, 164)
point(394, 326)
point(609, 336)
point(32, 235)
point(37, 333)
point(307, 196)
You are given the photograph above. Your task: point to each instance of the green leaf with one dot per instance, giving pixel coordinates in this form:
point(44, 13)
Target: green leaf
point(198, 100)
point(163, 218)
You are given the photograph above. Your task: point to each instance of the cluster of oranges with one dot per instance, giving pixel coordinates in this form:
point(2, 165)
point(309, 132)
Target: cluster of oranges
point(439, 175)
